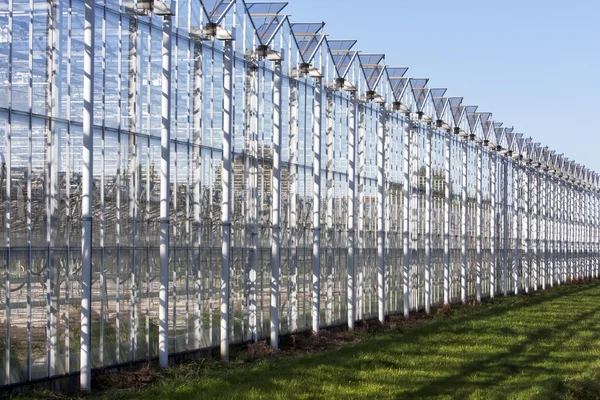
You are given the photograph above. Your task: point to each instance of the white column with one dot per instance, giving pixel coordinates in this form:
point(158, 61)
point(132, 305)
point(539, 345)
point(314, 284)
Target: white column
point(253, 203)
point(506, 244)
point(293, 262)
point(535, 226)
point(494, 160)
point(165, 196)
point(329, 234)
point(380, 213)
point(525, 198)
point(463, 223)
point(362, 161)
point(516, 199)
point(276, 207)
point(197, 199)
point(571, 236)
point(479, 230)
point(428, 219)
point(560, 234)
point(226, 190)
point(85, 380)
point(351, 208)
point(316, 253)
point(447, 217)
point(405, 214)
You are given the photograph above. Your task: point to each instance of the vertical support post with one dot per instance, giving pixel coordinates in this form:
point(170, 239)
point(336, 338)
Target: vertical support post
point(505, 247)
point(51, 178)
point(479, 222)
point(550, 191)
point(570, 236)
point(361, 256)
point(493, 233)
point(535, 229)
point(165, 195)
point(413, 272)
point(351, 208)
point(293, 262)
point(380, 213)
point(316, 252)
point(253, 204)
point(329, 215)
point(596, 229)
point(133, 97)
point(7, 181)
point(526, 225)
point(406, 215)
point(276, 211)
point(447, 217)
point(428, 219)
point(226, 189)
point(85, 380)
point(516, 199)
point(560, 220)
point(544, 213)
point(579, 208)
point(463, 223)
point(197, 185)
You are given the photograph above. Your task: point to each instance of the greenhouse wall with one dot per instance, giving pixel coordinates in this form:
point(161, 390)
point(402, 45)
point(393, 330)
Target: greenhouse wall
point(309, 185)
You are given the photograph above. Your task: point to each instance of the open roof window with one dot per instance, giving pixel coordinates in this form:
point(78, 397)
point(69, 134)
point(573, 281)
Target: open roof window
point(266, 19)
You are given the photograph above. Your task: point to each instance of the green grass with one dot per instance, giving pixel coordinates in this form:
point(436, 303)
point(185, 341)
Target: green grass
point(531, 347)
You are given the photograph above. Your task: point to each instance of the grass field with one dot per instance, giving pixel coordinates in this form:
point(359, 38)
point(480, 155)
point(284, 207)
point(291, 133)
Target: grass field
point(541, 346)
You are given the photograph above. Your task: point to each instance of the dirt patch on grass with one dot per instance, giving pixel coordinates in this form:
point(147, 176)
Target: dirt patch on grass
point(128, 379)
point(298, 344)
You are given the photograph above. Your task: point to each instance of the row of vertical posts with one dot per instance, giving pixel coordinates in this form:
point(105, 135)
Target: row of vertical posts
point(529, 186)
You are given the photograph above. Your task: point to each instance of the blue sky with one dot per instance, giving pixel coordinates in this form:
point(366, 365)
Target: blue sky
point(534, 64)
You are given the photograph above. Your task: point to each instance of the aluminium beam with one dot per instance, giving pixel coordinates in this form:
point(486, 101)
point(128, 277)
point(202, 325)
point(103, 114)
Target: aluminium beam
point(85, 380)
point(165, 195)
point(380, 159)
point(226, 190)
point(276, 206)
point(316, 250)
point(351, 298)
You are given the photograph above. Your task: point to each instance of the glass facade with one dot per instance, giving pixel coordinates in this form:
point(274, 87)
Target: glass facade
point(351, 191)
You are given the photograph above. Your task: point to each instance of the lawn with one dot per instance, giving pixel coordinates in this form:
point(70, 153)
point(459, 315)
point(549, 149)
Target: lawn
point(542, 346)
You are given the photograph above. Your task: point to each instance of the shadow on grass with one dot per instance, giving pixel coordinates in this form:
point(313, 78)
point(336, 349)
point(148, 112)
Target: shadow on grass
point(514, 346)
point(545, 345)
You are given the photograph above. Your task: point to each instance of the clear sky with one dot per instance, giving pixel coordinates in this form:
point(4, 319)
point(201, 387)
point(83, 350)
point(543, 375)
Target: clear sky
point(535, 64)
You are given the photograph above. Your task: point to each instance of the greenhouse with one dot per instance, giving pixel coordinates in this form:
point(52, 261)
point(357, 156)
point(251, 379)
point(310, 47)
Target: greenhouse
point(194, 174)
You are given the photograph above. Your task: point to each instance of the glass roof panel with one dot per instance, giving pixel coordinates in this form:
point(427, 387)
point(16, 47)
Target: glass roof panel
point(421, 96)
point(307, 28)
point(438, 92)
point(398, 87)
point(456, 108)
point(265, 8)
point(472, 120)
point(370, 59)
point(510, 138)
point(266, 27)
point(439, 104)
point(472, 117)
point(420, 91)
point(342, 62)
point(307, 46)
point(215, 8)
point(371, 75)
point(396, 73)
point(340, 45)
point(486, 123)
point(371, 68)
